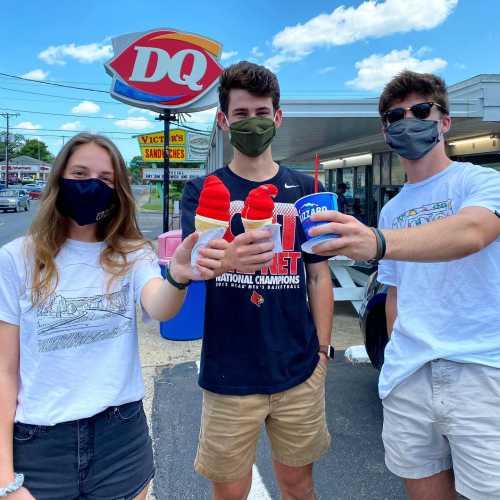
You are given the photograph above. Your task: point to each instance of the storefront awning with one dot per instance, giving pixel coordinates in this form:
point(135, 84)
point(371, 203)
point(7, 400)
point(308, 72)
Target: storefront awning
point(340, 128)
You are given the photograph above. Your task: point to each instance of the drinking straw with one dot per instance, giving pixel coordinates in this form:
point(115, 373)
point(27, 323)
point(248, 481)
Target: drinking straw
point(316, 172)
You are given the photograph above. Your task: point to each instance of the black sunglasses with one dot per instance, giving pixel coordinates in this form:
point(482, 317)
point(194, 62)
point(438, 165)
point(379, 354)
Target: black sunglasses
point(422, 110)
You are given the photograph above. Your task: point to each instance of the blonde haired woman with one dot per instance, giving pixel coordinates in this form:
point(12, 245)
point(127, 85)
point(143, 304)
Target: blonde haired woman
point(71, 418)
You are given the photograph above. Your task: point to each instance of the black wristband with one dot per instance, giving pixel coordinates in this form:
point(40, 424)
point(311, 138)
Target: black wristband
point(381, 245)
point(173, 282)
point(383, 242)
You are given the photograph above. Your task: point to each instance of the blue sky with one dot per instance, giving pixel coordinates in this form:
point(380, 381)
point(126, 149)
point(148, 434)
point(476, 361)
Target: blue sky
point(319, 49)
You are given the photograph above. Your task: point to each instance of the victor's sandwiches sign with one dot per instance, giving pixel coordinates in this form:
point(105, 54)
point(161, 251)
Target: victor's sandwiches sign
point(165, 69)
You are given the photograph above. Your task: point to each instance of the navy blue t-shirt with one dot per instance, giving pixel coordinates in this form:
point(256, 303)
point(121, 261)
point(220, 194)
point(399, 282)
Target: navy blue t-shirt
point(259, 335)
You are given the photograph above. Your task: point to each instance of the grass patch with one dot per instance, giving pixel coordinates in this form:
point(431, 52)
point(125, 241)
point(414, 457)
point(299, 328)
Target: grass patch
point(154, 205)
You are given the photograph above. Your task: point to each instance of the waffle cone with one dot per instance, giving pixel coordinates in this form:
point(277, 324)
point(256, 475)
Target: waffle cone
point(250, 224)
point(205, 223)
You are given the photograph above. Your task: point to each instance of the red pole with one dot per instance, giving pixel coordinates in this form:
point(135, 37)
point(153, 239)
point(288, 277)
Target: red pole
point(316, 173)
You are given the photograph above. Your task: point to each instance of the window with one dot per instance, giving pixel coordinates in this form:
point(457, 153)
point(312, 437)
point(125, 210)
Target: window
point(376, 169)
point(398, 175)
point(385, 168)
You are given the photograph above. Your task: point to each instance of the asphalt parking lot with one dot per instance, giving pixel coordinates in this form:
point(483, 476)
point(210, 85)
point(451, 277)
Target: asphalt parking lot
point(352, 470)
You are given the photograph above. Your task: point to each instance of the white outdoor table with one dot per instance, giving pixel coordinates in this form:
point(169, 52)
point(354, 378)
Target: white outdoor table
point(352, 282)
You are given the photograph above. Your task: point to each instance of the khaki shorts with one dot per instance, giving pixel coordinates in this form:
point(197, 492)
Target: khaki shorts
point(230, 426)
point(446, 414)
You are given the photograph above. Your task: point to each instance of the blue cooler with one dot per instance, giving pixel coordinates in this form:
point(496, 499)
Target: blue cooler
point(189, 322)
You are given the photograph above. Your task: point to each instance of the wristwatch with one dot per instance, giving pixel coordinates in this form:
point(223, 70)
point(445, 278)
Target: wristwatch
point(328, 350)
point(12, 487)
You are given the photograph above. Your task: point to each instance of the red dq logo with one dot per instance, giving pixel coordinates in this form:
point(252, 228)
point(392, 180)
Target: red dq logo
point(164, 68)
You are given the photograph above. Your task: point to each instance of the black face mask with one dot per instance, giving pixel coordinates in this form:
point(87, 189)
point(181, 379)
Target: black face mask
point(86, 202)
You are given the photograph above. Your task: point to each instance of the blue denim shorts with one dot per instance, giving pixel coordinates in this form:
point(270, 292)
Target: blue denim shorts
point(105, 457)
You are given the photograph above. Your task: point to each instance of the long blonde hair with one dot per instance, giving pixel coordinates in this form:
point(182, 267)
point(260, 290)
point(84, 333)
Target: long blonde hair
point(49, 229)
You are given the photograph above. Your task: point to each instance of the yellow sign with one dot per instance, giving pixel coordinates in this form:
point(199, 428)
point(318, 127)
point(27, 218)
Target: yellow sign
point(184, 146)
point(156, 154)
point(177, 138)
point(152, 146)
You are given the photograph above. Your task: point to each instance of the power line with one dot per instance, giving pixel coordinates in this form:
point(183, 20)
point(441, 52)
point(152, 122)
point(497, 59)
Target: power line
point(179, 123)
point(68, 115)
point(129, 138)
point(59, 130)
point(58, 96)
point(53, 83)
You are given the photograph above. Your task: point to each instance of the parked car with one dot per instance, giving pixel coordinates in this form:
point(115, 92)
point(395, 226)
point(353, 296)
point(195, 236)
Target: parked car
point(34, 192)
point(373, 322)
point(14, 199)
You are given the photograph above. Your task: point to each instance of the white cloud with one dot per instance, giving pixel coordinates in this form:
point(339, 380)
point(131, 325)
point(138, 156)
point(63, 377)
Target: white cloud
point(109, 115)
point(71, 126)
point(206, 117)
point(228, 55)
point(82, 53)
point(274, 62)
point(423, 51)
point(327, 69)
point(256, 52)
point(28, 126)
point(371, 19)
point(134, 122)
point(86, 107)
point(36, 74)
point(142, 111)
point(376, 70)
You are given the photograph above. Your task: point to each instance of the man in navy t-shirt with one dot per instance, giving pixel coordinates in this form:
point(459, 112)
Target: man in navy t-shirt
point(263, 357)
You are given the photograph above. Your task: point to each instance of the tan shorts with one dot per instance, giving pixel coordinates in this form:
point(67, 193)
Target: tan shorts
point(230, 426)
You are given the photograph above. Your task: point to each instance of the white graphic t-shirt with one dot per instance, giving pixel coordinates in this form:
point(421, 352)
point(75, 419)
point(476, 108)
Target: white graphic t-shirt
point(78, 349)
point(448, 310)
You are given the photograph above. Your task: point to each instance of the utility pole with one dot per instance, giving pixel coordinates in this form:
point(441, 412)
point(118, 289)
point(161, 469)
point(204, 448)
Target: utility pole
point(7, 116)
point(166, 117)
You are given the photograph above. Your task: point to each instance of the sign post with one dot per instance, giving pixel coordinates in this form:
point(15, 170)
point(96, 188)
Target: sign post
point(166, 117)
point(166, 71)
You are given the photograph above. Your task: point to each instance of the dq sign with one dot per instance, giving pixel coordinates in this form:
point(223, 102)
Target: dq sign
point(165, 69)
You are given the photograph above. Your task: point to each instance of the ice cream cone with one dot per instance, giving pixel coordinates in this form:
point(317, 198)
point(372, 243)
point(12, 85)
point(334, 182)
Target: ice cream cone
point(213, 205)
point(250, 224)
point(258, 208)
point(206, 223)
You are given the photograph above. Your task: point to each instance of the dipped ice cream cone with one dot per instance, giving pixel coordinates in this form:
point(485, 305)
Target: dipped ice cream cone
point(213, 205)
point(259, 207)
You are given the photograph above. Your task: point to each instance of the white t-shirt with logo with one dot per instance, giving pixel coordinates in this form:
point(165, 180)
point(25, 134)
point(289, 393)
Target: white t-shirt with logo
point(448, 310)
point(79, 349)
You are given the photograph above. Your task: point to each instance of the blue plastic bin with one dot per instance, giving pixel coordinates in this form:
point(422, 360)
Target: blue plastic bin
point(189, 322)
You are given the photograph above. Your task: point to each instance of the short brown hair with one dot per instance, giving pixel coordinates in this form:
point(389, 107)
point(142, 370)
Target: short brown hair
point(256, 79)
point(427, 85)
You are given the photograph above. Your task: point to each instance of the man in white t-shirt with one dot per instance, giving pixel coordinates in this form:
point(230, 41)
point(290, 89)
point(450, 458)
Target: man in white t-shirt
point(440, 383)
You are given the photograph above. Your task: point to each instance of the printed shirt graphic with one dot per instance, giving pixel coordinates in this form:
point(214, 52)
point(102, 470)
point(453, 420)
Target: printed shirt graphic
point(259, 335)
point(448, 310)
point(79, 349)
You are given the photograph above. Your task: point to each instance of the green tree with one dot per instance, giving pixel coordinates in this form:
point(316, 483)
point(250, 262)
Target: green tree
point(135, 168)
point(36, 149)
point(16, 142)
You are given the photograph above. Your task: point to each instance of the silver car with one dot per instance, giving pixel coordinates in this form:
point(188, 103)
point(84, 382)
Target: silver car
point(14, 199)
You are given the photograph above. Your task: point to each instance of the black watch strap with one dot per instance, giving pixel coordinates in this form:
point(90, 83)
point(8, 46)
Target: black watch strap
point(328, 350)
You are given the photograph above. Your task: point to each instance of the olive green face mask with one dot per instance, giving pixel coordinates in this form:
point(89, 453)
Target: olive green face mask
point(252, 136)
